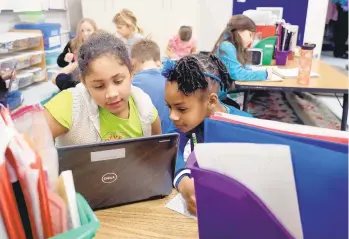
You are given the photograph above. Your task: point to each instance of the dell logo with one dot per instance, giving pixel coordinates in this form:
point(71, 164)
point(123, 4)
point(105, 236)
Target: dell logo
point(109, 178)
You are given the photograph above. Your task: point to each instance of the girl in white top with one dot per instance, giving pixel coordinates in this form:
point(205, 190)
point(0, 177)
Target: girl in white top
point(104, 106)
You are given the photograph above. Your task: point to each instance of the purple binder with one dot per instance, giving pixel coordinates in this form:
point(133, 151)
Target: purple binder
point(227, 209)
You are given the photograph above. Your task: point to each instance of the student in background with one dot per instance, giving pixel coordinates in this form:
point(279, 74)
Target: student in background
point(191, 93)
point(341, 30)
point(231, 48)
point(105, 106)
point(127, 27)
point(145, 58)
point(181, 44)
point(67, 77)
point(84, 29)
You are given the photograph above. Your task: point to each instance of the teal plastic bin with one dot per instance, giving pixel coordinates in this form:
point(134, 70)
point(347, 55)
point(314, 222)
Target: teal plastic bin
point(89, 222)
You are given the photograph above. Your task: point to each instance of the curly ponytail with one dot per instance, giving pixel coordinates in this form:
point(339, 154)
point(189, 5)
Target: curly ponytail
point(198, 71)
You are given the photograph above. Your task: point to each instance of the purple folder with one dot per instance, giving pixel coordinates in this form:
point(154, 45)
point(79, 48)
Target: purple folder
point(227, 209)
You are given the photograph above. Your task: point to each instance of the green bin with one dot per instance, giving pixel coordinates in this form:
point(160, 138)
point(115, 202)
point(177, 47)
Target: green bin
point(268, 46)
point(89, 222)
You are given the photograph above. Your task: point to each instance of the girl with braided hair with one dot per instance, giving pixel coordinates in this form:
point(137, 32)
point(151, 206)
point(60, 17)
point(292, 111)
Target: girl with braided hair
point(105, 106)
point(191, 93)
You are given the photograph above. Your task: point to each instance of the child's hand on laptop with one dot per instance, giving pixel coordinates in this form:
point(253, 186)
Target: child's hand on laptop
point(186, 188)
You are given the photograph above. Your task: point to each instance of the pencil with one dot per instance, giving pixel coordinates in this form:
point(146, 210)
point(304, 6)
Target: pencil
point(195, 141)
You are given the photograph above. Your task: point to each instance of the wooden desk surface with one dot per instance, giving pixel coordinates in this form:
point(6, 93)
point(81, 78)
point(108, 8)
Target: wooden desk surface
point(146, 220)
point(330, 81)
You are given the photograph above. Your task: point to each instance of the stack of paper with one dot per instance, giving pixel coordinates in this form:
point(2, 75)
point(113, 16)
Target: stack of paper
point(290, 73)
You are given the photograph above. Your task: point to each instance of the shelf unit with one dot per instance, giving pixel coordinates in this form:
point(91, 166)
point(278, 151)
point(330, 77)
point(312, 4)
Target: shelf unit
point(26, 54)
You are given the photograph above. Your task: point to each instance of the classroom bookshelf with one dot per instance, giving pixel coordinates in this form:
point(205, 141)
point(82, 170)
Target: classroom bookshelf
point(23, 50)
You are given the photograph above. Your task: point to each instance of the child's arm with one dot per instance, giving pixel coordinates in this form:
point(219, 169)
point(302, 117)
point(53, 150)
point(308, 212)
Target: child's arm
point(194, 48)
point(182, 181)
point(56, 128)
point(61, 58)
point(156, 126)
point(58, 113)
point(169, 52)
point(237, 72)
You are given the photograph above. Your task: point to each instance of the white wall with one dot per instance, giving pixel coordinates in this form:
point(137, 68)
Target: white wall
point(315, 23)
point(74, 13)
point(212, 21)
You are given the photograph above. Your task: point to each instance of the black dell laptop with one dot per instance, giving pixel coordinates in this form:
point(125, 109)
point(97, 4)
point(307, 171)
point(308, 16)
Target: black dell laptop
point(120, 172)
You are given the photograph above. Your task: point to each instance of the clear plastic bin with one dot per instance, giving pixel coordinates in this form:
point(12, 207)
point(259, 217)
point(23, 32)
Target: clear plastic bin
point(34, 41)
point(39, 74)
point(32, 17)
point(23, 60)
point(6, 43)
point(25, 79)
point(89, 222)
point(7, 62)
point(51, 32)
point(14, 85)
point(52, 55)
point(15, 41)
point(21, 44)
point(36, 57)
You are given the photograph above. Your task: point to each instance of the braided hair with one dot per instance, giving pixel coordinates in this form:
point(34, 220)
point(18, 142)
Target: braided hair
point(198, 71)
point(101, 44)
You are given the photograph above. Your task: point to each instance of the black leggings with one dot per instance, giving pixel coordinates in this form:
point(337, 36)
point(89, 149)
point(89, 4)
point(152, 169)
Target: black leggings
point(340, 32)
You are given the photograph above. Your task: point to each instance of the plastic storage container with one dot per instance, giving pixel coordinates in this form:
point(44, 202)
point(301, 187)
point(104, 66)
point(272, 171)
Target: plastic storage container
point(89, 222)
point(51, 32)
point(34, 41)
point(14, 41)
point(25, 79)
point(23, 60)
point(52, 55)
point(39, 74)
point(32, 17)
point(36, 57)
point(7, 62)
point(51, 73)
point(268, 46)
point(6, 43)
point(281, 57)
point(21, 44)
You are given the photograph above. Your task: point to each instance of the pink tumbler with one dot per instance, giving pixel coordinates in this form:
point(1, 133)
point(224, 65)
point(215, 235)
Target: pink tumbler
point(305, 62)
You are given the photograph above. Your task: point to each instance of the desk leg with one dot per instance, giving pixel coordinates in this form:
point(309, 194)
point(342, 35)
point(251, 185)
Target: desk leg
point(345, 113)
point(245, 105)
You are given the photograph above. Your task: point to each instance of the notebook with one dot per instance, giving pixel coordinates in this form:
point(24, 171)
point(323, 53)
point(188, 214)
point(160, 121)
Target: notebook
point(290, 73)
point(275, 77)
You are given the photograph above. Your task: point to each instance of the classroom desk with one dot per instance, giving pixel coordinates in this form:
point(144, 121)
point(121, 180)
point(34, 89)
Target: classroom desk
point(146, 220)
point(330, 81)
